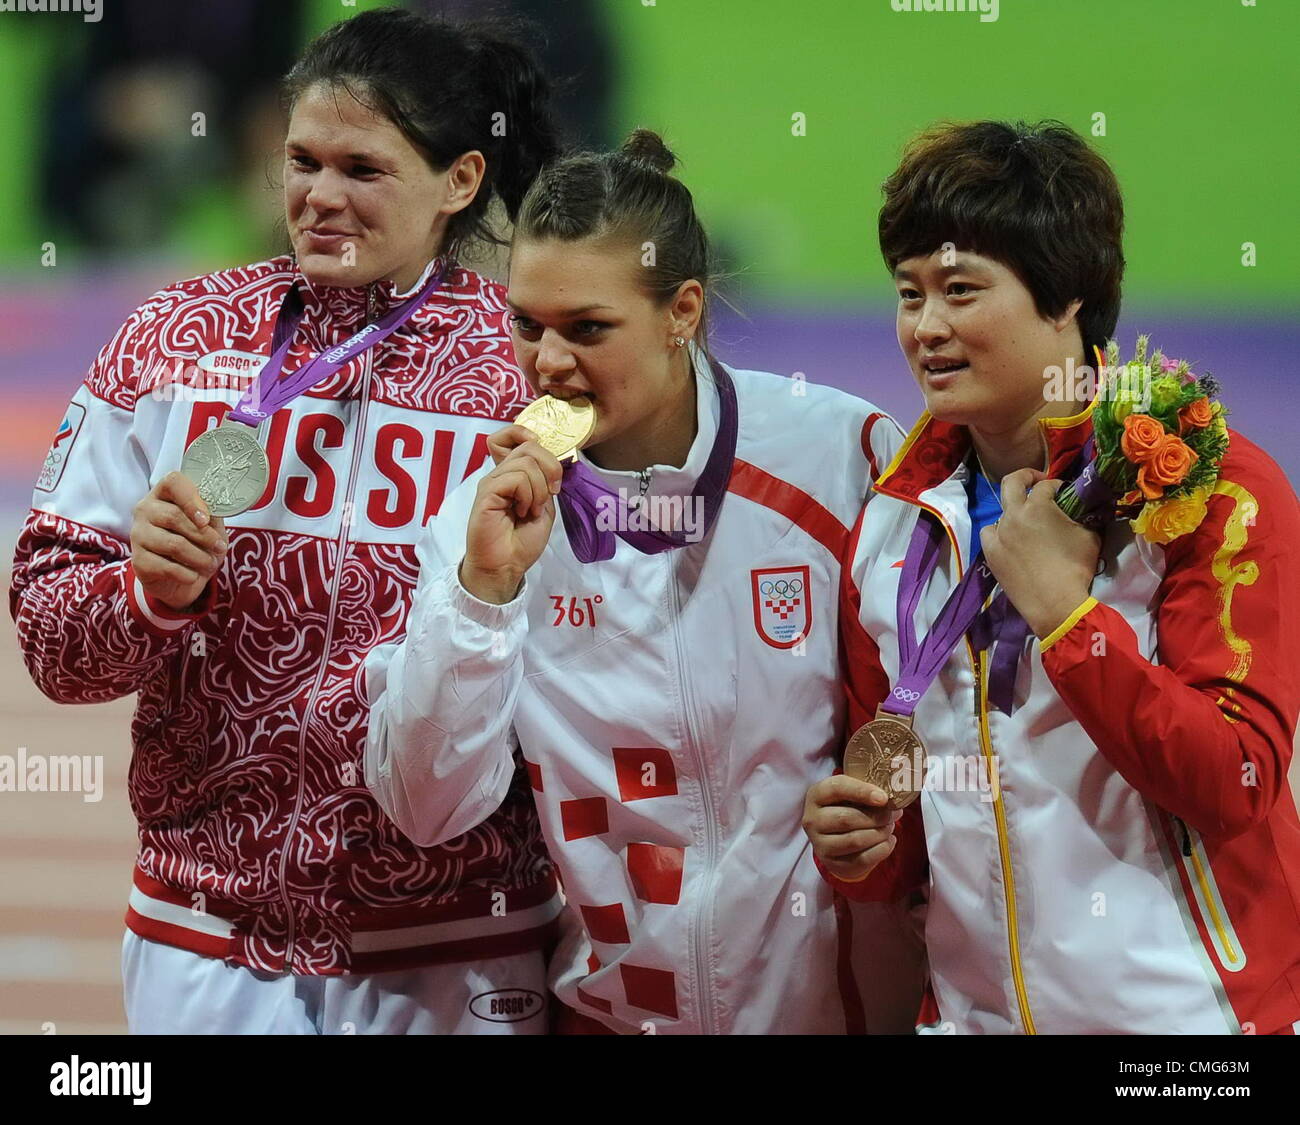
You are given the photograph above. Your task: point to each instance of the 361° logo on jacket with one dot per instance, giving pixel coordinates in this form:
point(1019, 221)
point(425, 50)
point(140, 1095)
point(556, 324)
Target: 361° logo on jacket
point(783, 611)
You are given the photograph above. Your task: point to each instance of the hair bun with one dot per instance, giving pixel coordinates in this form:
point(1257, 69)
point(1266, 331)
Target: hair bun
point(645, 146)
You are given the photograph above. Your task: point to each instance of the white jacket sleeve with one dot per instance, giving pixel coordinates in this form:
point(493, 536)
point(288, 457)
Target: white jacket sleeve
point(440, 744)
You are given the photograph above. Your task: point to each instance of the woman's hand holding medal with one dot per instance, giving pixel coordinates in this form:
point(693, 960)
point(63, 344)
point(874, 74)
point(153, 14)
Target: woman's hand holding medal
point(515, 507)
point(176, 546)
point(851, 826)
point(1043, 559)
point(512, 516)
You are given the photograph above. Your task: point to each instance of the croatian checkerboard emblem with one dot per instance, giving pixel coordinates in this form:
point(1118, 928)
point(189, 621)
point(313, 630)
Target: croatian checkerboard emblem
point(782, 604)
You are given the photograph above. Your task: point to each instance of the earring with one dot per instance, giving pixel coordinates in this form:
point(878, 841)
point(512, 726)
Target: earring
point(680, 341)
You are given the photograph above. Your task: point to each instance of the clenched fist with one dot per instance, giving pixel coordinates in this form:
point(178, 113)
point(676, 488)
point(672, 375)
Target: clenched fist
point(176, 546)
point(850, 825)
point(512, 516)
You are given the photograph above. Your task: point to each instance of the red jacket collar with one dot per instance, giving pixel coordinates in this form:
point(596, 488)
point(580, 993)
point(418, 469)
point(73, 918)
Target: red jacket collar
point(349, 309)
point(934, 450)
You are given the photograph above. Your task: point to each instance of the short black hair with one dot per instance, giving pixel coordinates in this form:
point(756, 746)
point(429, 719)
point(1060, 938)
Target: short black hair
point(1035, 197)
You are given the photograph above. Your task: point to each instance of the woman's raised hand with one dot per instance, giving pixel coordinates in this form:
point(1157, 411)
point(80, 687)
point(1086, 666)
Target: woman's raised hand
point(1043, 559)
point(512, 516)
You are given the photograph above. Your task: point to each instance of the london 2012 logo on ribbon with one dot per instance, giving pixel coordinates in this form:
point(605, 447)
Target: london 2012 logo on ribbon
point(64, 439)
point(782, 604)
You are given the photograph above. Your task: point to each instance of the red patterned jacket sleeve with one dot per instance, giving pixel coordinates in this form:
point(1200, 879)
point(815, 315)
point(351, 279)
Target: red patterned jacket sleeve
point(1207, 732)
point(866, 685)
point(87, 630)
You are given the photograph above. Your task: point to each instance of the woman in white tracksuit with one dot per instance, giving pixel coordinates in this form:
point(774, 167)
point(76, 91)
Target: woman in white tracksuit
point(674, 692)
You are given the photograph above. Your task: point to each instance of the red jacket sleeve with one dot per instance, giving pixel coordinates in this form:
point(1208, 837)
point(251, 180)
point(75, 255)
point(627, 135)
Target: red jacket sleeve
point(866, 686)
point(1207, 732)
point(87, 630)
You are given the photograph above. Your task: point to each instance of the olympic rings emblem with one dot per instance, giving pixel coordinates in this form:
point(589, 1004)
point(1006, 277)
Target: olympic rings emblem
point(906, 695)
point(781, 588)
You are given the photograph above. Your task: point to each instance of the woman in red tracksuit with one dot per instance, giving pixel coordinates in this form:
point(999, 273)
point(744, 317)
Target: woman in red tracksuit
point(271, 894)
point(1105, 837)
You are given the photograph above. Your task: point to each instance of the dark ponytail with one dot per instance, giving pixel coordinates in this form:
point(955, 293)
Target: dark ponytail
point(450, 88)
point(630, 196)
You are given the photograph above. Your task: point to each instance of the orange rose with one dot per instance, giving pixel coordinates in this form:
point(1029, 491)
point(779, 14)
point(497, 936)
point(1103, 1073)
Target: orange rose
point(1142, 437)
point(1195, 416)
point(1168, 466)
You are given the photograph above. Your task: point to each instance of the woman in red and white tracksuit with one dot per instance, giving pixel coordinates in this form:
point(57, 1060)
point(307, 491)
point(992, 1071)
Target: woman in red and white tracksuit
point(1106, 839)
point(674, 697)
point(271, 894)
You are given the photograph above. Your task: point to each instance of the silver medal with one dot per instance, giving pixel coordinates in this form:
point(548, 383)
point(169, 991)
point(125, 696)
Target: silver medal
point(229, 467)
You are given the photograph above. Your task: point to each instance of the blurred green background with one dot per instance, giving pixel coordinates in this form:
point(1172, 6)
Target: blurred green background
point(1199, 97)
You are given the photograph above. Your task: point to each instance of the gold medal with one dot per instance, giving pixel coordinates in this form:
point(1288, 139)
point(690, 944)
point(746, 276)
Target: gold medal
point(887, 752)
point(562, 425)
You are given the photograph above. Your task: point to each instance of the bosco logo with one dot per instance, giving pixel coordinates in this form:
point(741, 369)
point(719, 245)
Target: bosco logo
point(507, 1005)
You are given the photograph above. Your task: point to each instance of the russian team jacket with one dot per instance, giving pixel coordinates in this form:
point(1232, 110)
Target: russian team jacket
point(259, 842)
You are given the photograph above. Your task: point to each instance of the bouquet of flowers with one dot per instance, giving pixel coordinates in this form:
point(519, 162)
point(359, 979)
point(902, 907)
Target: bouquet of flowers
point(1159, 436)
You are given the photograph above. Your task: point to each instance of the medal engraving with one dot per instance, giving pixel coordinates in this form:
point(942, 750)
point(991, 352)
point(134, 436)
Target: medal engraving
point(229, 468)
point(562, 426)
point(888, 753)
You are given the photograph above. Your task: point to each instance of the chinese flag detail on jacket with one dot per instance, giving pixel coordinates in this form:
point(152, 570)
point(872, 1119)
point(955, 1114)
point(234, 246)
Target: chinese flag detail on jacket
point(782, 604)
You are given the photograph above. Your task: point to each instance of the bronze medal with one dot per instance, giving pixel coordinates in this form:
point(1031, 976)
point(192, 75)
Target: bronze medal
point(562, 425)
point(889, 753)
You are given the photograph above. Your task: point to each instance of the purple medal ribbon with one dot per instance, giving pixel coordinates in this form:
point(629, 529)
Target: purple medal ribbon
point(583, 496)
point(270, 391)
point(918, 665)
point(1096, 497)
point(1000, 625)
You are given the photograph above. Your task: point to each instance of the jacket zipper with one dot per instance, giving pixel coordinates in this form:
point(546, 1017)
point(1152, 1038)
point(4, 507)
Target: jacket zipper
point(978, 663)
point(999, 809)
point(705, 989)
point(341, 543)
point(1205, 895)
point(643, 479)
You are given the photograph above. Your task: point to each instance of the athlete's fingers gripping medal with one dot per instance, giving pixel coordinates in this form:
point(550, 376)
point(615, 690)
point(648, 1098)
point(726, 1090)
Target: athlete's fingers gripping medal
point(562, 426)
point(229, 468)
point(887, 752)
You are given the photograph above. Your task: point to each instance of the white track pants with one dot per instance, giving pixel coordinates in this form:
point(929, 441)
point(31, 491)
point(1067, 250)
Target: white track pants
point(170, 991)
